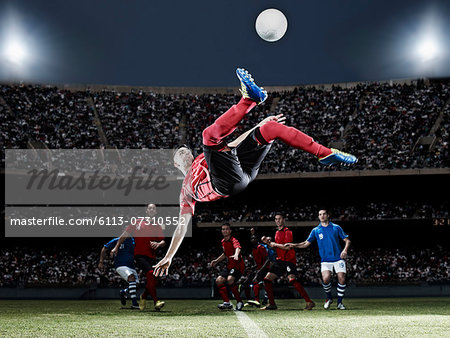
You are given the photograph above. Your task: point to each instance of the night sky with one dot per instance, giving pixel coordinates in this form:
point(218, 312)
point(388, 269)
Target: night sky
point(200, 43)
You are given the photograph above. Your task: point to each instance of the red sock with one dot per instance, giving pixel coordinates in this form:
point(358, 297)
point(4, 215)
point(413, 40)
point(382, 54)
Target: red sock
point(227, 122)
point(223, 292)
point(256, 288)
point(293, 137)
point(150, 286)
point(299, 287)
point(269, 289)
point(234, 290)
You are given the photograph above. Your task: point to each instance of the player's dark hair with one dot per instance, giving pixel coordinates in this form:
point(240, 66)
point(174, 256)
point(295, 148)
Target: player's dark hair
point(226, 224)
point(326, 210)
point(279, 213)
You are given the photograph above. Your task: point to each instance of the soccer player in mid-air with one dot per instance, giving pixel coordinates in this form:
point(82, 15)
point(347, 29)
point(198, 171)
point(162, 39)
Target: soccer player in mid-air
point(327, 235)
point(234, 270)
point(225, 169)
point(124, 264)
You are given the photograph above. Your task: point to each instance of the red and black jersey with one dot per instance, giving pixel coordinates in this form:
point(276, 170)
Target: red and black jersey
point(229, 248)
point(197, 186)
point(259, 255)
point(143, 233)
point(282, 237)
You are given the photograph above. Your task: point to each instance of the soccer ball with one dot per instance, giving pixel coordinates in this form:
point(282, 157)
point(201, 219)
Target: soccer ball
point(271, 25)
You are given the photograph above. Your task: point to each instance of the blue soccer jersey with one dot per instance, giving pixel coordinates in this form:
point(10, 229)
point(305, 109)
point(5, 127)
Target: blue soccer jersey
point(125, 255)
point(271, 253)
point(328, 241)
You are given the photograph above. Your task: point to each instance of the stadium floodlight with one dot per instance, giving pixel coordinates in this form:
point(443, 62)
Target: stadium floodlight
point(15, 52)
point(427, 49)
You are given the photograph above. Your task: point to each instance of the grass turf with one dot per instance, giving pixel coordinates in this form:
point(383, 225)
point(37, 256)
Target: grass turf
point(364, 317)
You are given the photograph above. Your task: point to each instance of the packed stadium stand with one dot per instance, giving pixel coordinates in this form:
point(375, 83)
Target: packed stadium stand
point(388, 126)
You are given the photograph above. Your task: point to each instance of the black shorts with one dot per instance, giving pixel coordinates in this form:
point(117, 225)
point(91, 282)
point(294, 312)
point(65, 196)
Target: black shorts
point(282, 267)
point(145, 263)
point(231, 171)
point(231, 272)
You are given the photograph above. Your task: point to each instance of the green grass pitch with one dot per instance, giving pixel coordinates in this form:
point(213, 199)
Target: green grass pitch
point(406, 317)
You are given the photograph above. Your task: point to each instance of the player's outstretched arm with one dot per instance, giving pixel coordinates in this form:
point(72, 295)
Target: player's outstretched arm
point(345, 250)
point(102, 257)
point(217, 260)
point(162, 267)
point(302, 245)
point(280, 246)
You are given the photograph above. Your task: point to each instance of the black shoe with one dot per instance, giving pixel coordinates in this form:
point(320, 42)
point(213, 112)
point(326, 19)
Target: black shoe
point(123, 297)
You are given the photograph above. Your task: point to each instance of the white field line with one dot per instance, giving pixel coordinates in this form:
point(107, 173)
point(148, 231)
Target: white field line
point(250, 326)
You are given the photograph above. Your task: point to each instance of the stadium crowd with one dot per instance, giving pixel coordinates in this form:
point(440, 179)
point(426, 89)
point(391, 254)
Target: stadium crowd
point(379, 123)
point(301, 211)
point(49, 268)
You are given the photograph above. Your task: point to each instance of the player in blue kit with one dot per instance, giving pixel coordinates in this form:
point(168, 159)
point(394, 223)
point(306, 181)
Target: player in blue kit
point(124, 264)
point(328, 236)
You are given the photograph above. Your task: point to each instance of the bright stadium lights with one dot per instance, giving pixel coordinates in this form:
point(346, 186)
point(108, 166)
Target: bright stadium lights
point(18, 52)
point(15, 52)
point(428, 48)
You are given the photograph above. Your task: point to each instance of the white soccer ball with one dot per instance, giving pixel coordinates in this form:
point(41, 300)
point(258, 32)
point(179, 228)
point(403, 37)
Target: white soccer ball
point(271, 25)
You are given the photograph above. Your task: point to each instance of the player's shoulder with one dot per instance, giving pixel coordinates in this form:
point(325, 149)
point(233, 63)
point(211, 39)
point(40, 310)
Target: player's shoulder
point(111, 242)
point(337, 226)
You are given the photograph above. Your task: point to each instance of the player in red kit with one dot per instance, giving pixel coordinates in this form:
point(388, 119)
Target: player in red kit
point(285, 264)
point(234, 270)
point(225, 169)
point(148, 238)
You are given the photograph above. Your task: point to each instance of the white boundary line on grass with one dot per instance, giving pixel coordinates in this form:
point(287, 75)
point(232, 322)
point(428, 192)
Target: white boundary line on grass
point(250, 326)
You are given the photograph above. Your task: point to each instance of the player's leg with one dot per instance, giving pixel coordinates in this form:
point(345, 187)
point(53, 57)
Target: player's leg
point(132, 288)
point(246, 285)
point(268, 285)
point(222, 287)
point(293, 280)
point(121, 270)
point(146, 264)
point(233, 276)
point(256, 291)
point(252, 95)
point(293, 137)
point(341, 270)
point(326, 270)
point(226, 124)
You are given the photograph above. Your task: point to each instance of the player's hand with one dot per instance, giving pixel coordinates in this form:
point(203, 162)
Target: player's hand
point(114, 252)
point(213, 263)
point(100, 265)
point(344, 254)
point(154, 245)
point(162, 267)
point(235, 257)
point(277, 118)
